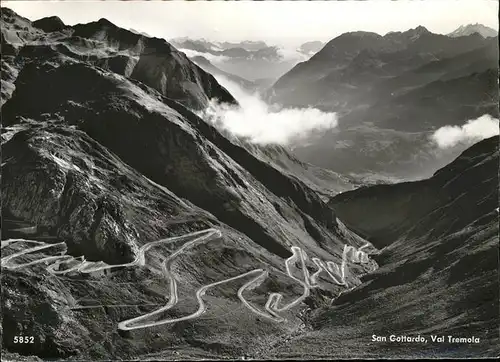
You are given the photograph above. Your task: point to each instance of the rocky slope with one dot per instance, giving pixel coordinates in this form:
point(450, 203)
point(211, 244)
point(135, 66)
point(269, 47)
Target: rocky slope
point(102, 155)
point(438, 270)
point(423, 206)
point(151, 61)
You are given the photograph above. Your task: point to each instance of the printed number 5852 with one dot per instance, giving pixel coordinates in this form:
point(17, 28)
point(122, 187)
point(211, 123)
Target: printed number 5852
point(24, 339)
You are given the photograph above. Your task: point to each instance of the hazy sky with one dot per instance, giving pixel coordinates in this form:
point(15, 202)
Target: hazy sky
point(280, 22)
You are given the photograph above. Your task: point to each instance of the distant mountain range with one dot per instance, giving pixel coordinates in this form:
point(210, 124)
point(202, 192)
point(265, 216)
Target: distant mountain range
point(253, 50)
point(239, 58)
point(374, 80)
point(351, 65)
point(213, 46)
point(251, 60)
point(465, 30)
point(390, 92)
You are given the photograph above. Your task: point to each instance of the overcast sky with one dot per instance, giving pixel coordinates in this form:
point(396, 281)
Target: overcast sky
point(277, 22)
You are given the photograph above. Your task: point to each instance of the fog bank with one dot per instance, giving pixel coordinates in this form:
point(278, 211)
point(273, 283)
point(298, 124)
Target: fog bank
point(260, 123)
point(473, 131)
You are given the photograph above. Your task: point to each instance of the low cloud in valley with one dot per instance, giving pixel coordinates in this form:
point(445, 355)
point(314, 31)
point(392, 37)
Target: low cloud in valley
point(473, 131)
point(261, 123)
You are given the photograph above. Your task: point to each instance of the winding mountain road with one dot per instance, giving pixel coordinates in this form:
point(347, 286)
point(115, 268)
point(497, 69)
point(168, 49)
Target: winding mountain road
point(272, 307)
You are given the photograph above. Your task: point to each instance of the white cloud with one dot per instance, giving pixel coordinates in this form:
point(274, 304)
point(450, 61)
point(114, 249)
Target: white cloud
point(260, 123)
point(473, 131)
point(211, 57)
point(291, 54)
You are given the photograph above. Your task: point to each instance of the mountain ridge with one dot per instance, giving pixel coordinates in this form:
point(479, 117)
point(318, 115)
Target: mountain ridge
point(468, 29)
point(385, 90)
point(137, 58)
point(132, 228)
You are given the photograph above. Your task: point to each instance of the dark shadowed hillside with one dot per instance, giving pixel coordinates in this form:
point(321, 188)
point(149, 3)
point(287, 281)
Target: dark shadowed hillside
point(438, 270)
point(426, 205)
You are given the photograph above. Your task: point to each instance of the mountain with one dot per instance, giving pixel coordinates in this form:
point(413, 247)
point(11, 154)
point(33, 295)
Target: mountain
point(465, 30)
point(140, 33)
point(134, 229)
point(121, 51)
point(242, 49)
point(475, 61)
point(428, 251)
point(50, 24)
point(204, 45)
point(252, 60)
point(390, 93)
point(425, 205)
point(347, 68)
point(106, 129)
point(246, 49)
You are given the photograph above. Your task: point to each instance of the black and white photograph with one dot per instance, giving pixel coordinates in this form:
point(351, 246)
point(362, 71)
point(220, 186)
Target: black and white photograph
point(249, 180)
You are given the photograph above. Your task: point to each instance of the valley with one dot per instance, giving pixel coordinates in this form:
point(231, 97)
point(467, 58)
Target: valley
point(193, 199)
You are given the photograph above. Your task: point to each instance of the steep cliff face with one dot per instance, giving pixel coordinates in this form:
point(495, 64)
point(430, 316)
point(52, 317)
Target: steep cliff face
point(105, 161)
